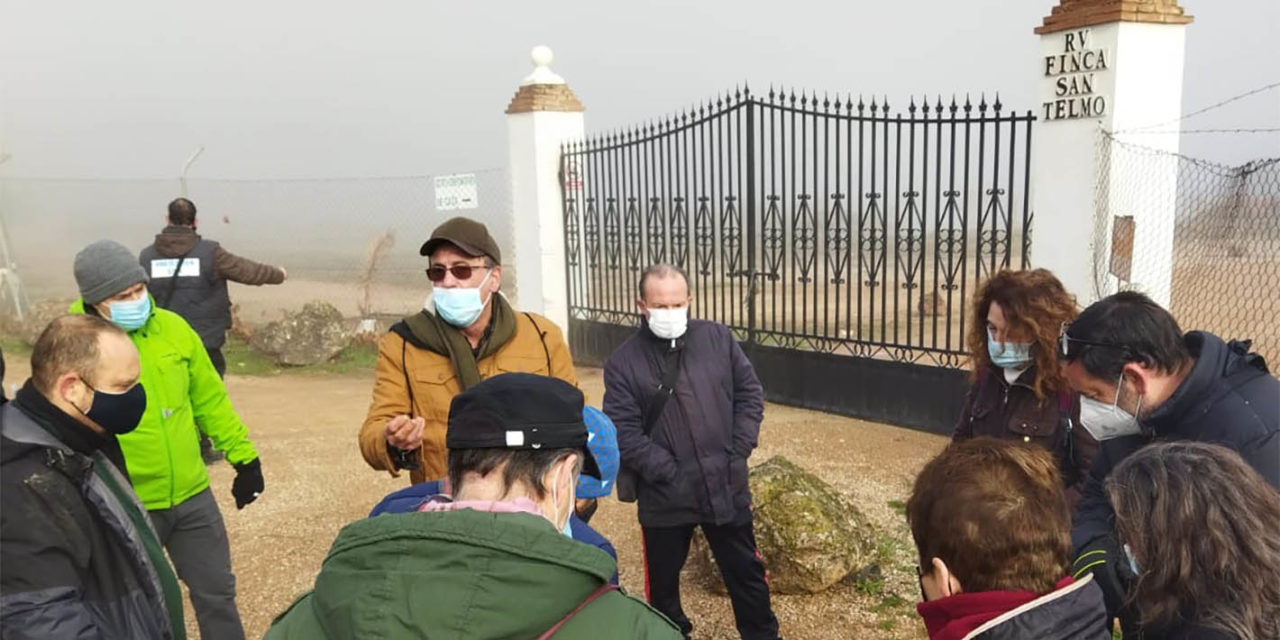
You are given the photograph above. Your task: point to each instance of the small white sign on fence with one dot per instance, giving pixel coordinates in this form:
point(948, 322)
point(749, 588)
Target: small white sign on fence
point(457, 191)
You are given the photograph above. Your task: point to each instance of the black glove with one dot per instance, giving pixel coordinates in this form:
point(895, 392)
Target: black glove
point(248, 483)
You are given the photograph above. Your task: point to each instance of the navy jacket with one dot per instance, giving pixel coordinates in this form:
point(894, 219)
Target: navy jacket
point(1228, 398)
point(692, 467)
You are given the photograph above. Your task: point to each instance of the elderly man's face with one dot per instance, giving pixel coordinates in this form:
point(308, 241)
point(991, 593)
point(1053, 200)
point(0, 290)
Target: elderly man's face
point(128, 295)
point(447, 257)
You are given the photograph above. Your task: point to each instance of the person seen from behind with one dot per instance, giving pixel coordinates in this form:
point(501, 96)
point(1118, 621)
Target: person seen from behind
point(1018, 391)
point(1201, 530)
point(992, 529)
point(493, 561)
point(189, 276)
point(1141, 379)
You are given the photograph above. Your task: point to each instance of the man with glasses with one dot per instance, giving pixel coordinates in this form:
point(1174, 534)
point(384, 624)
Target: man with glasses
point(466, 332)
point(1141, 379)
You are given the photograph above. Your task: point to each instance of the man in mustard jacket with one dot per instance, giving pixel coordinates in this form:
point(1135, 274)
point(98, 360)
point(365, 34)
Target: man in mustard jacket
point(469, 332)
point(185, 396)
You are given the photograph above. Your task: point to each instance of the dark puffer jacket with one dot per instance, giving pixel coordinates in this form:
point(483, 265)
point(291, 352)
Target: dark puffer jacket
point(998, 409)
point(1228, 398)
point(692, 468)
point(78, 557)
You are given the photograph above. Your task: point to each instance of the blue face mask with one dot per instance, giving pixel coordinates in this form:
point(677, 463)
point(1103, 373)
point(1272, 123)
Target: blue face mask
point(1008, 355)
point(1133, 562)
point(567, 530)
point(130, 315)
point(460, 306)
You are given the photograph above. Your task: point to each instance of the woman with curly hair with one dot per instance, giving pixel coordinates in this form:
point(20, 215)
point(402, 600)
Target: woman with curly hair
point(1200, 528)
point(1018, 390)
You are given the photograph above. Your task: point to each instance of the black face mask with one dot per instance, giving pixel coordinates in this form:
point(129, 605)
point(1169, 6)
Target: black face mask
point(117, 413)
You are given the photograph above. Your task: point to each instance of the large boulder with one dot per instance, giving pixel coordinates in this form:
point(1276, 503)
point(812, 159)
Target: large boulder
point(808, 533)
point(313, 335)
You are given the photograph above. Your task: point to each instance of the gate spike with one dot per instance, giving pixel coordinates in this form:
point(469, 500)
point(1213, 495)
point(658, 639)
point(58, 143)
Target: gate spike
point(861, 105)
point(770, 92)
point(746, 90)
point(885, 104)
point(826, 102)
point(793, 97)
point(912, 106)
point(967, 104)
point(982, 105)
point(997, 104)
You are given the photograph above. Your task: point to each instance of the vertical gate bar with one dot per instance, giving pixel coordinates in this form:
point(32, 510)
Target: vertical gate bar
point(872, 208)
point(626, 152)
point(821, 248)
point(996, 261)
point(924, 215)
point(593, 185)
point(851, 197)
point(911, 216)
point(773, 200)
point(981, 209)
point(787, 223)
point(749, 193)
point(726, 294)
point(937, 215)
point(1026, 196)
point(612, 177)
point(861, 216)
point(805, 190)
point(634, 176)
point(884, 230)
point(1009, 210)
point(646, 195)
point(964, 219)
point(897, 229)
point(706, 306)
point(833, 330)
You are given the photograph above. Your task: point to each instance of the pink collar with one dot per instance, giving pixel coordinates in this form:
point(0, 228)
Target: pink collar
point(519, 505)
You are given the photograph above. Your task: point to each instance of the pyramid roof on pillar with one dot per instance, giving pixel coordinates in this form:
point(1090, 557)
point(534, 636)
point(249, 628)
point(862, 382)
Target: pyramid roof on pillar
point(1074, 14)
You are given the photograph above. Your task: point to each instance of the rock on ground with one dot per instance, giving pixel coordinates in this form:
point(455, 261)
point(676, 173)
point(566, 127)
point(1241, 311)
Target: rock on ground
point(314, 335)
point(809, 534)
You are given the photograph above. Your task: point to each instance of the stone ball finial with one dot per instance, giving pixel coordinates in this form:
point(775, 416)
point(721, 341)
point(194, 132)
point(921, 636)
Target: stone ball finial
point(542, 56)
point(542, 73)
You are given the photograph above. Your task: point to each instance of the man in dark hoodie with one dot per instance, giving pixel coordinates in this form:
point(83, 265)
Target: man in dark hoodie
point(189, 277)
point(1142, 380)
point(79, 558)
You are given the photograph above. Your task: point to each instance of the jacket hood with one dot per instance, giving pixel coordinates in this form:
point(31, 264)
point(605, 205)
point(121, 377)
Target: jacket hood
point(471, 574)
point(175, 241)
point(1214, 361)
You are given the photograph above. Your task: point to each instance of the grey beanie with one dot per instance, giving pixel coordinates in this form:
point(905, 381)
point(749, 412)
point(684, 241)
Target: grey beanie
point(106, 268)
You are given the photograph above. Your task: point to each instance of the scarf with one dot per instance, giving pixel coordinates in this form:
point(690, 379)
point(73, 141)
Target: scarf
point(440, 337)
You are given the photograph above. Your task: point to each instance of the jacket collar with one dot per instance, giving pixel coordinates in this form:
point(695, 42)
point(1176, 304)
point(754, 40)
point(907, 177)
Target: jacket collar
point(964, 615)
point(1210, 355)
point(68, 431)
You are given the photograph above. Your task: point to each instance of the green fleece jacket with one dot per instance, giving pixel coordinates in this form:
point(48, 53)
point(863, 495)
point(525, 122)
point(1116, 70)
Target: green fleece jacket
point(183, 391)
point(464, 574)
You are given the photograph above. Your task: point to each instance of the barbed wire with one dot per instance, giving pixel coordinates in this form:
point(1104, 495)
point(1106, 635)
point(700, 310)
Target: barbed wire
point(1189, 131)
point(1206, 109)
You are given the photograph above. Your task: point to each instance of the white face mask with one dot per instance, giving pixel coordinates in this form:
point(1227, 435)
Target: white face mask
point(669, 324)
point(555, 498)
point(1106, 421)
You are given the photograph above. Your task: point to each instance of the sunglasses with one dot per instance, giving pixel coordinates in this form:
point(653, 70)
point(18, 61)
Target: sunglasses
point(435, 273)
point(1065, 341)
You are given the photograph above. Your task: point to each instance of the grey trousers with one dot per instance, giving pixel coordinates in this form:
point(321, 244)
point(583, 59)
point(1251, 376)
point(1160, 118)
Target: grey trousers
point(196, 539)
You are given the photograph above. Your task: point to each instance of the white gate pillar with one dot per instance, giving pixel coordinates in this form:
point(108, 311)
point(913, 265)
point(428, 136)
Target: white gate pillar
point(1107, 65)
point(542, 116)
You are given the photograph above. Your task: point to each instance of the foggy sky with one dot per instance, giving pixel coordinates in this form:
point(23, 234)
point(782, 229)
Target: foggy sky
point(280, 89)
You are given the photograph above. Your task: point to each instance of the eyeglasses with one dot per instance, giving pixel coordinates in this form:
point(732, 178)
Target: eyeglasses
point(435, 273)
point(1064, 343)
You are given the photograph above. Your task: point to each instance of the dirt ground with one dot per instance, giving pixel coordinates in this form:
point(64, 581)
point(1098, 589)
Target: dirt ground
point(305, 425)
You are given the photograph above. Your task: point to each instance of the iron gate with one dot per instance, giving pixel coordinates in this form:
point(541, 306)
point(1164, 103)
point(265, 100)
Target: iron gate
point(839, 240)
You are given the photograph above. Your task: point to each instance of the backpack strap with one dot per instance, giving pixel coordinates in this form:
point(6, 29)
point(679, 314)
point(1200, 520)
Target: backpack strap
point(603, 589)
point(542, 335)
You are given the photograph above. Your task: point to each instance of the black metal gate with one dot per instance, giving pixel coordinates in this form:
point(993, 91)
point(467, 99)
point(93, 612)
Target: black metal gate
point(839, 239)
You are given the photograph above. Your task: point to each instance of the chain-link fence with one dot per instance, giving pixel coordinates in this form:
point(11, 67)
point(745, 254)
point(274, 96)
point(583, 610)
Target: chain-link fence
point(351, 242)
point(1222, 222)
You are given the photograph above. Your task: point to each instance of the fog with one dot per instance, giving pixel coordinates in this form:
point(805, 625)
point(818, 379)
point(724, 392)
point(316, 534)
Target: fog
point(398, 87)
